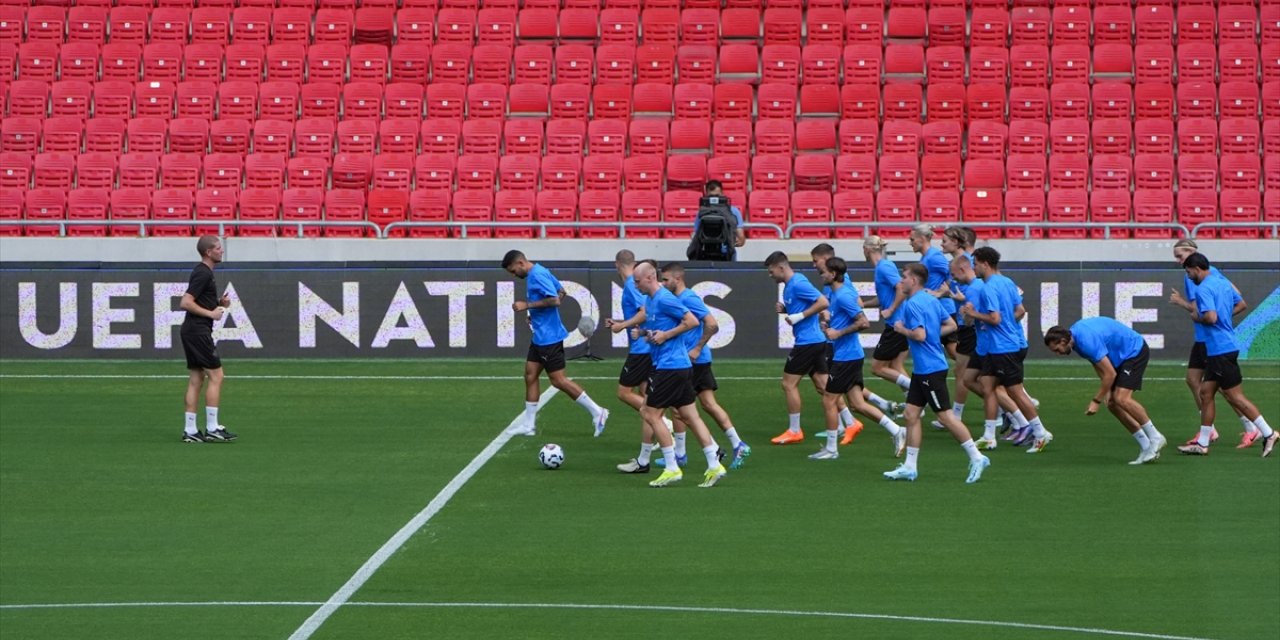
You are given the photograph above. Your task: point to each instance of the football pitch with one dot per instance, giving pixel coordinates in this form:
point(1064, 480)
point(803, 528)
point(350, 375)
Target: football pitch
point(111, 528)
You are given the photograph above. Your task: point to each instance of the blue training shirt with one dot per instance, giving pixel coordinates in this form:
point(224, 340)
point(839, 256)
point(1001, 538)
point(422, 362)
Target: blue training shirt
point(826, 290)
point(1001, 294)
point(692, 337)
point(924, 310)
point(799, 294)
point(1189, 292)
point(844, 311)
point(662, 313)
point(964, 290)
point(547, 327)
point(972, 295)
point(939, 267)
point(1215, 293)
point(632, 302)
point(1103, 337)
point(886, 281)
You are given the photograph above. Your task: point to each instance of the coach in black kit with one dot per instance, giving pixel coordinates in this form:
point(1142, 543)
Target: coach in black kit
point(203, 307)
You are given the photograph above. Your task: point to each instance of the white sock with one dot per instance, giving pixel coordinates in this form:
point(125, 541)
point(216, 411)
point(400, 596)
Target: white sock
point(958, 409)
point(680, 442)
point(712, 451)
point(669, 456)
point(211, 419)
point(880, 403)
point(793, 422)
point(846, 417)
point(530, 413)
point(1206, 433)
point(989, 428)
point(832, 438)
point(1143, 440)
point(904, 382)
point(732, 434)
point(971, 449)
point(913, 454)
point(1263, 427)
point(1019, 420)
point(646, 452)
point(889, 425)
point(1247, 424)
point(589, 404)
point(189, 427)
point(1037, 429)
point(1150, 430)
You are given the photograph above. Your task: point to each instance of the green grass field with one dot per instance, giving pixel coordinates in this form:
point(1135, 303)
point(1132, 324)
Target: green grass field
point(100, 504)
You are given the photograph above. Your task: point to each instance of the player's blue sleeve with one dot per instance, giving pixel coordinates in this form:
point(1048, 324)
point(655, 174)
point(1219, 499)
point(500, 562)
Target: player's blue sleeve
point(988, 299)
point(696, 307)
point(672, 308)
point(912, 317)
point(1090, 346)
point(806, 292)
point(1205, 300)
point(850, 305)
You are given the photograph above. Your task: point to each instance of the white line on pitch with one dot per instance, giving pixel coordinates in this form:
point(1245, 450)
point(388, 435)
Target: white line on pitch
point(625, 607)
point(411, 378)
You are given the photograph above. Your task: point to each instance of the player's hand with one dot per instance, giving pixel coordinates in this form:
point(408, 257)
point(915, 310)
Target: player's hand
point(520, 305)
point(899, 327)
point(831, 334)
point(694, 353)
point(795, 318)
point(967, 310)
point(658, 337)
point(1092, 408)
point(217, 313)
point(1177, 299)
point(780, 308)
point(637, 333)
point(224, 301)
point(614, 325)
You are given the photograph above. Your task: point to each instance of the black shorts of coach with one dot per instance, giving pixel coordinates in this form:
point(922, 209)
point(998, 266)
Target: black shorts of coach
point(807, 359)
point(703, 378)
point(1224, 370)
point(636, 370)
point(844, 375)
point(966, 340)
point(200, 350)
point(550, 356)
point(1006, 368)
point(1129, 373)
point(891, 345)
point(1199, 356)
point(929, 390)
point(670, 389)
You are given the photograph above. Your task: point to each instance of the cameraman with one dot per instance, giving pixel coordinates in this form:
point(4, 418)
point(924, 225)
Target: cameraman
point(714, 188)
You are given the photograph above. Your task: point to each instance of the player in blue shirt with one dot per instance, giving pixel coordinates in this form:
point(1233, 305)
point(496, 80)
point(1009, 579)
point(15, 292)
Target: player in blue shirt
point(939, 268)
point(845, 365)
point(801, 304)
point(958, 242)
point(1119, 355)
point(1185, 299)
point(889, 358)
point(997, 315)
point(1214, 305)
point(635, 371)
point(665, 319)
point(850, 426)
point(923, 323)
point(546, 349)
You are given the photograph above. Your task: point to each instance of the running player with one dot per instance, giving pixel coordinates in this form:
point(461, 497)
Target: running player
point(666, 318)
point(957, 242)
point(997, 313)
point(801, 302)
point(1119, 356)
point(203, 307)
point(1214, 304)
point(1185, 299)
point(923, 322)
point(845, 366)
point(887, 361)
point(546, 349)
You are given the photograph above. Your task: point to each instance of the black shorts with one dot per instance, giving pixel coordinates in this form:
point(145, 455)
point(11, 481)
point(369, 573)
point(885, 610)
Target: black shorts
point(1022, 354)
point(1129, 373)
point(636, 370)
point(550, 356)
point(891, 345)
point(807, 359)
point(703, 378)
point(201, 352)
point(670, 389)
point(1199, 356)
point(1224, 370)
point(929, 390)
point(966, 340)
point(950, 338)
point(976, 361)
point(845, 375)
point(1006, 368)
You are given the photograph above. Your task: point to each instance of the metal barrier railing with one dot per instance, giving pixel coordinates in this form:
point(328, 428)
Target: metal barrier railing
point(1273, 226)
point(541, 227)
point(221, 224)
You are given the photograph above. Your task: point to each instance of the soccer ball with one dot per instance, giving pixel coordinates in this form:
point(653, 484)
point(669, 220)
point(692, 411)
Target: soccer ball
point(586, 326)
point(551, 456)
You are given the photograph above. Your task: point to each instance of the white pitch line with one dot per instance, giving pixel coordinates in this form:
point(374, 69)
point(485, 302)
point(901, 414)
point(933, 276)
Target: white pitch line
point(628, 607)
point(126, 376)
point(380, 557)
